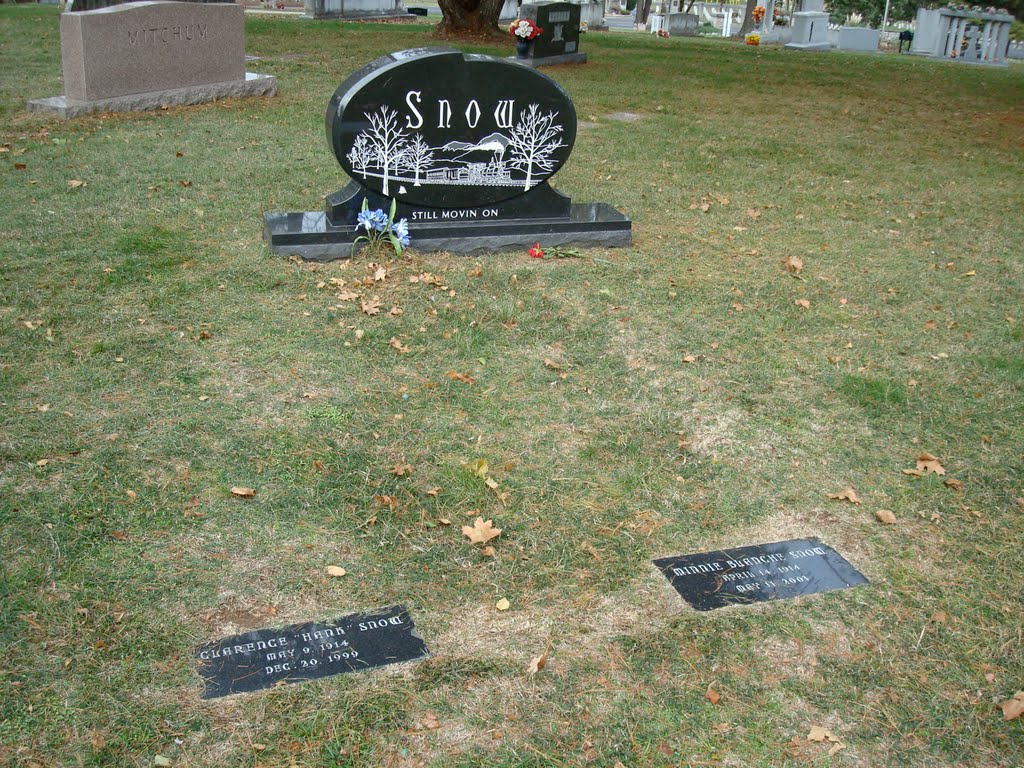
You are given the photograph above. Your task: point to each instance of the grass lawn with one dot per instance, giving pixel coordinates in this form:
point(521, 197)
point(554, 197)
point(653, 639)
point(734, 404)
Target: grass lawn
point(686, 393)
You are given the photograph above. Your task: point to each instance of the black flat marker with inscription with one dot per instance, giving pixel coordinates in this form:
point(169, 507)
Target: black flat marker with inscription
point(744, 575)
point(265, 657)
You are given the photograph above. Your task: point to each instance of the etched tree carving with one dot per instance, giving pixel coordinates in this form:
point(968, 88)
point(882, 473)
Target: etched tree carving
point(361, 155)
point(387, 140)
point(533, 141)
point(419, 156)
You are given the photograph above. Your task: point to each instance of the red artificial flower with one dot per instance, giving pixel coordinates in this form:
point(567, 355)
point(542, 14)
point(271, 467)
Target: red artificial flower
point(536, 252)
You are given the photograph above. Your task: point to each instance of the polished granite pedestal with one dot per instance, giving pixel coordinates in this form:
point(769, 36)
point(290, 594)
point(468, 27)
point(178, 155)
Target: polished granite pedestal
point(541, 215)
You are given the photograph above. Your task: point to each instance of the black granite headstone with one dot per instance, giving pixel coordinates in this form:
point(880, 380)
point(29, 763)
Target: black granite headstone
point(561, 25)
point(265, 657)
point(744, 575)
point(465, 145)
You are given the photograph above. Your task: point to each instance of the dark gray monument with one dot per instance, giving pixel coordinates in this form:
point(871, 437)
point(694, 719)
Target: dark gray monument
point(464, 144)
point(559, 42)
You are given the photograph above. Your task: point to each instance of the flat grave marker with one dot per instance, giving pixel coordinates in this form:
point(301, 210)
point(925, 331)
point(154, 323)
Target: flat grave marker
point(754, 574)
point(266, 657)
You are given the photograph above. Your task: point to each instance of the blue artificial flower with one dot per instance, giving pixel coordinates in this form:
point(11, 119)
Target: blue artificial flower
point(375, 220)
point(401, 230)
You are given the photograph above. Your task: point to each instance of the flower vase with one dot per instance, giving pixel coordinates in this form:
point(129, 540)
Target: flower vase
point(522, 48)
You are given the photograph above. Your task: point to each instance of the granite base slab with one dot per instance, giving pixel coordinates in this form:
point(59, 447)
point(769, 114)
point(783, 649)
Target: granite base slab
point(311, 236)
point(550, 61)
point(808, 46)
point(253, 85)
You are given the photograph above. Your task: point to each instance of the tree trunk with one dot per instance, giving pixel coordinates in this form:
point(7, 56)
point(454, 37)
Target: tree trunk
point(469, 17)
point(748, 18)
point(643, 10)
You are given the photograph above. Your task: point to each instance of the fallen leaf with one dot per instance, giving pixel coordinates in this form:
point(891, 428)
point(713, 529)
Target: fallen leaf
point(132, 494)
point(489, 551)
point(820, 734)
point(476, 271)
point(401, 470)
point(386, 500)
point(465, 378)
point(161, 761)
point(370, 307)
point(333, 570)
point(1013, 708)
point(705, 207)
point(347, 295)
point(481, 531)
point(430, 722)
point(379, 274)
point(119, 535)
point(491, 483)
point(690, 359)
point(243, 492)
point(396, 312)
point(42, 462)
point(503, 604)
point(927, 463)
point(803, 303)
point(433, 491)
point(952, 482)
point(76, 183)
point(753, 213)
point(398, 346)
point(886, 516)
point(478, 467)
point(794, 264)
point(847, 493)
point(712, 695)
point(538, 663)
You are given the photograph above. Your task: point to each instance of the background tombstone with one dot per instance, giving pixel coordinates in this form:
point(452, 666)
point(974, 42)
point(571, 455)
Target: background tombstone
point(465, 145)
point(560, 41)
point(810, 27)
point(354, 9)
point(143, 55)
point(859, 39)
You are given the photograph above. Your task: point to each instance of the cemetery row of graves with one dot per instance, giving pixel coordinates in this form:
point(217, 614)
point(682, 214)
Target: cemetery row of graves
point(660, 406)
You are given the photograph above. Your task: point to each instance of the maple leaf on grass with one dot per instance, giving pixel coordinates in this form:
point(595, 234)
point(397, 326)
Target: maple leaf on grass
point(465, 378)
point(886, 516)
point(847, 494)
point(481, 531)
point(927, 463)
point(371, 306)
point(538, 663)
point(794, 265)
point(712, 695)
point(478, 467)
point(398, 346)
point(245, 493)
point(1013, 707)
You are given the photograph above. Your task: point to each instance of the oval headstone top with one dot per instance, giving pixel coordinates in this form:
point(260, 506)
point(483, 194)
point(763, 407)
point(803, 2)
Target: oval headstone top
point(436, 127)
